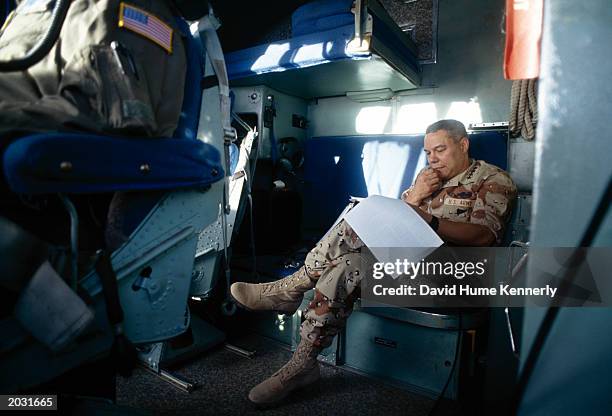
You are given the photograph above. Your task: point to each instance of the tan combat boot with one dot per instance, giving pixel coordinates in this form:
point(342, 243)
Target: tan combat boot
point(283, 295)
point(301, 370)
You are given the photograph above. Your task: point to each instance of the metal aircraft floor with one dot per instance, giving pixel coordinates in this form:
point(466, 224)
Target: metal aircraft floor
point(225, 378)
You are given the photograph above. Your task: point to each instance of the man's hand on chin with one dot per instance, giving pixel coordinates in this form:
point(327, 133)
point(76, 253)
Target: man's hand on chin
point(426, 183)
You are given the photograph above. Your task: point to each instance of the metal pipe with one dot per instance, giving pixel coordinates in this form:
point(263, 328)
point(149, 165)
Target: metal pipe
point(240, 121)
point(240, 351)
point(175, 381)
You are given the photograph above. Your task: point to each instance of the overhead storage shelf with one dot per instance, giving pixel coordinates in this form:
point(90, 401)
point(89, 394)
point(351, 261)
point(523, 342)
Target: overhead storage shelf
point(325, 60)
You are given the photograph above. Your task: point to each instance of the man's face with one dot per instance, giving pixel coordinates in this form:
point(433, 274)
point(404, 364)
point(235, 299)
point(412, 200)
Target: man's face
point(445, 155)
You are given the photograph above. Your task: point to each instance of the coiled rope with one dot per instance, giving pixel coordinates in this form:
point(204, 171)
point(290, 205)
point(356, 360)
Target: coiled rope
point(523, 108)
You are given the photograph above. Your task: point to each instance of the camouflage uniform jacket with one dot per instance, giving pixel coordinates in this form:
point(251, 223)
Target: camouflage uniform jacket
point(482, 194)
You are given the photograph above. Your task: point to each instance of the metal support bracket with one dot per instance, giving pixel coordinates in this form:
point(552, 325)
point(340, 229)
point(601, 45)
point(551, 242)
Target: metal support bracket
point(363, 28)
point(150, 356)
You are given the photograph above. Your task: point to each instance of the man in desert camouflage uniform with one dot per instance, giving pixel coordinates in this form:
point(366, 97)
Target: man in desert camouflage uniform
point(467, 202)
point(117, 68)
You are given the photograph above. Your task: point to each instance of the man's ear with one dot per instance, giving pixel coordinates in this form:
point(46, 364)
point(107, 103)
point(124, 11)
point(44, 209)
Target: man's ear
point(464, 144)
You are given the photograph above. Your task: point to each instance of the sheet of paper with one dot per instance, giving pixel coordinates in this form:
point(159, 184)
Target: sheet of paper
point(352, 201)
point(390, 227)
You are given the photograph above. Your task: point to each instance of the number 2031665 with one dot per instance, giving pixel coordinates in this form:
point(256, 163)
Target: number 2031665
point(28, 402)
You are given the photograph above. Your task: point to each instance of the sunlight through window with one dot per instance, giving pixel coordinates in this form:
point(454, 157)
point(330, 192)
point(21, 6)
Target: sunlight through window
point(372, 120)
point(465, 112)
point(420, 164)
point(414, 118)
point(383, 167)
point(271, 58)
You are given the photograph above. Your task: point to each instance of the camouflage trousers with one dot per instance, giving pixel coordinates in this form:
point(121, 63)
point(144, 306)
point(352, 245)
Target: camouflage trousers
point(337, 264)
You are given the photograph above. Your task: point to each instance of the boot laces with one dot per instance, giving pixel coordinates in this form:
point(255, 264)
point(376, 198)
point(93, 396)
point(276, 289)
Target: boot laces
point(281, 284)
point(304, 353)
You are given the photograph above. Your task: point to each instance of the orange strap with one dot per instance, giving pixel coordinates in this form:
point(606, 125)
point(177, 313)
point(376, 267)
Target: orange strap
point(523, 33)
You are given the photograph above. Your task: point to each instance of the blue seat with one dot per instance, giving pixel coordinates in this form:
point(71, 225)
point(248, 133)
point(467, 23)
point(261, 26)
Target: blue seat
point(83, 163)
point(80, 163)
point(337, 167)
point(341, 166)
point(154, 266)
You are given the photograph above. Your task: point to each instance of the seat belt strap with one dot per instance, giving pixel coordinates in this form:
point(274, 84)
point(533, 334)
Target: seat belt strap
point(108, 278)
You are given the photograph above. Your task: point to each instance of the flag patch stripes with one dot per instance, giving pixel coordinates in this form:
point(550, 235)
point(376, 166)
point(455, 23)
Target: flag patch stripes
point(145, 24)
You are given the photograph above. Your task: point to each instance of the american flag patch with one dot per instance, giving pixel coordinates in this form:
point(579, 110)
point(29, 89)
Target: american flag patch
point(145, 24)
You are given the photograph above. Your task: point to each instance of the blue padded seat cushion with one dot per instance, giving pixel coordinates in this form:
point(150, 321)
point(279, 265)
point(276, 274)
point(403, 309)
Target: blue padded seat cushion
point(321, 32)
point(106, 164)
point(322, 23)
point(318, 9)
point(321, 15)
point(298, 52)
point(32, 164)
point(334, 168)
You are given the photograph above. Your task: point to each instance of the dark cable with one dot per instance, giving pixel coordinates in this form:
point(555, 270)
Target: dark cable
point(553, 311)
point(452, 371)
point(123, 352)
point(251, 207)
point(42, 48)
point(252, 233)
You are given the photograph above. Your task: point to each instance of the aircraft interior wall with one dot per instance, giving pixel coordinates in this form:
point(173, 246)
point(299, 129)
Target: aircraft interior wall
point(310, 154)
point(466, 83)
